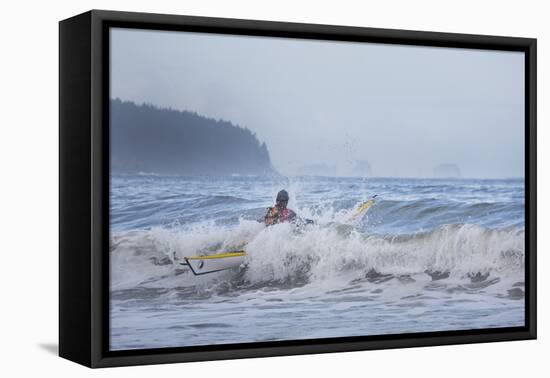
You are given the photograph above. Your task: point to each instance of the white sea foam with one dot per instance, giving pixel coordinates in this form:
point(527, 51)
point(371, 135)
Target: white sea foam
point(316, 253)
point(430, 255)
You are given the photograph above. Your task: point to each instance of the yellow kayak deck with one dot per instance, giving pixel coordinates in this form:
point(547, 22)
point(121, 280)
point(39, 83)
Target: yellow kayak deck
point(200, 265)
point(218, 256)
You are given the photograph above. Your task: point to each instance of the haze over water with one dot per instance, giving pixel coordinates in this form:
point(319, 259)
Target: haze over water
point(405, 109)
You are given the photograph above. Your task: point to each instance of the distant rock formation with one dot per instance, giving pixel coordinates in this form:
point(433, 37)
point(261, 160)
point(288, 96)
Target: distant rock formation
point(447, 171)
point(145, 138)
point(318, 169)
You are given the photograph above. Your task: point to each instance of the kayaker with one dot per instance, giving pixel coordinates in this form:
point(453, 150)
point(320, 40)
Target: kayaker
point(280, 213)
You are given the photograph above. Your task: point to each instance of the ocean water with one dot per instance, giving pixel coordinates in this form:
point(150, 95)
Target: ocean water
point(430, 255)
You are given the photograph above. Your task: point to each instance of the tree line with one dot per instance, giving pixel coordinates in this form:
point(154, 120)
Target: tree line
point(146, 138)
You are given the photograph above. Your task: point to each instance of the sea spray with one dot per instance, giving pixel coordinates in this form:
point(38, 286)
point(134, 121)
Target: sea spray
point(430, 255)
point(315, 252)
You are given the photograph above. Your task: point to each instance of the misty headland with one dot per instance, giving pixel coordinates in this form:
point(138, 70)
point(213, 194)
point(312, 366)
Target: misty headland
point(147, 138)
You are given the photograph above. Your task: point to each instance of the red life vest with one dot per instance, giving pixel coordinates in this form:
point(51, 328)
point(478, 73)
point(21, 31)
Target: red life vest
point(283, 215)
point(275, 215)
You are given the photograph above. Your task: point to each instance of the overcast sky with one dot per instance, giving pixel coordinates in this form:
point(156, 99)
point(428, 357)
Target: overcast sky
point(404, 109)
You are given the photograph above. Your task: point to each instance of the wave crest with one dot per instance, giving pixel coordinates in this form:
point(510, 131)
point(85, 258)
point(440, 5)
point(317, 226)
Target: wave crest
point(283, 253)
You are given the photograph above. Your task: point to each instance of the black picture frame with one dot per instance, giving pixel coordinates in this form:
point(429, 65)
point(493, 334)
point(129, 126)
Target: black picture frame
point(84, 187)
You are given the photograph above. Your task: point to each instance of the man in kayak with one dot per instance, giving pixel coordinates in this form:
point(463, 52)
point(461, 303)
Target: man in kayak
point(280, 213)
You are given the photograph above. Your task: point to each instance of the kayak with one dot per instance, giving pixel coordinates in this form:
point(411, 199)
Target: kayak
point(200, 265)
point(362, 209)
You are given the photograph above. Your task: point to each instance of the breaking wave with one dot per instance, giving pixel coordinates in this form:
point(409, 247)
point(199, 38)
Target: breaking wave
point(290, 256)
point(429, 255)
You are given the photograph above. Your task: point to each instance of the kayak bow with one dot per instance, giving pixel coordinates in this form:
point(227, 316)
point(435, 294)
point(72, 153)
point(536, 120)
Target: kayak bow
point(200, 265)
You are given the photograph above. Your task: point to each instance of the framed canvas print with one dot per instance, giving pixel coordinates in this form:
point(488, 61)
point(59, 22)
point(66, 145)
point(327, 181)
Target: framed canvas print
point(234, 188)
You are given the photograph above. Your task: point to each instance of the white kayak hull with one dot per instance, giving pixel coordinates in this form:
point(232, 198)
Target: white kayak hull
point(214, 263)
